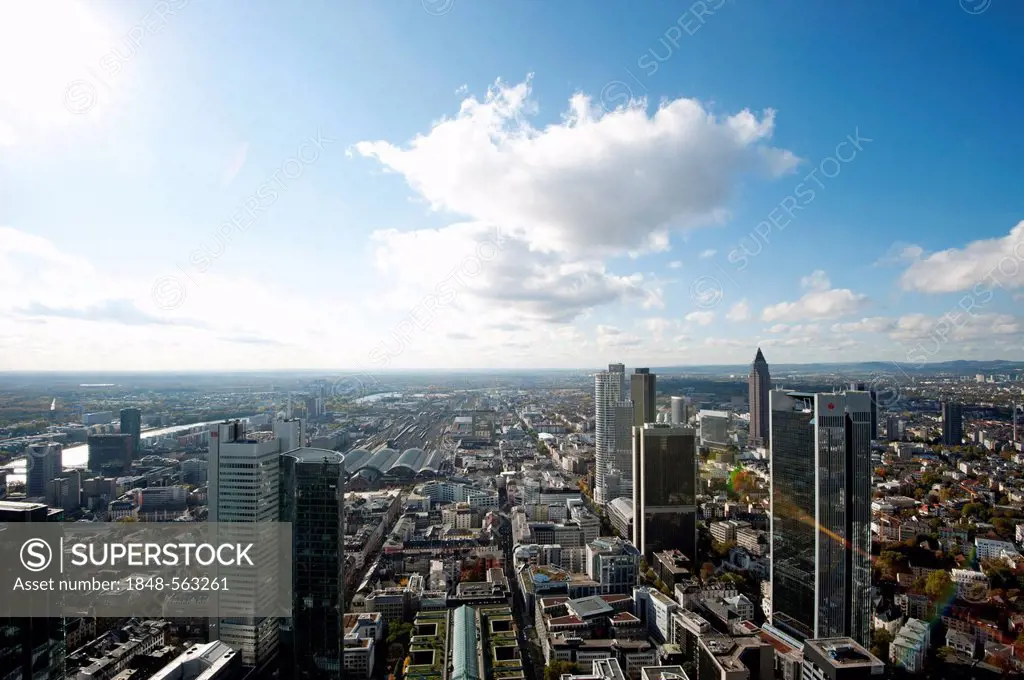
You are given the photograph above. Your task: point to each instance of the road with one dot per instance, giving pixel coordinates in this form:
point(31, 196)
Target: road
point(533, 656)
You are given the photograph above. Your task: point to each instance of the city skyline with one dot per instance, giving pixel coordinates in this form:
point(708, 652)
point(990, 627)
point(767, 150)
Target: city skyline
point(504, 186)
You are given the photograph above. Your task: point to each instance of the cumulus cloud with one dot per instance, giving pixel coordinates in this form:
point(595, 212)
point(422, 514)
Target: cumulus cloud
point(565, 196)
point(739, 312)
point(707, 254)
point(816, 281)
point(992, 262)
point(899, 253)
point(675, 264)
point(598, 182)
point(820, 302)
point(700, 318)
point(873, 324)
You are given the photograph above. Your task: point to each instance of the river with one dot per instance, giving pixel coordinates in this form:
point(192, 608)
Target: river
point(78, 456)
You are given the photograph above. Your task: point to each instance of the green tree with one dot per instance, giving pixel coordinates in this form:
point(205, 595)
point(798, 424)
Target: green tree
point(555, 669)
point(938, 584)
point(880, 643)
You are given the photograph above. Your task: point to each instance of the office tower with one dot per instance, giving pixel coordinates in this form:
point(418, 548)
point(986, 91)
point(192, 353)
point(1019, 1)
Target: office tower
point(714, 428)
point(611, 406)
point(821, 514)
point(31, 647)
point(110, 454)
point(312, 498)
point(665, 489)
point(244, 477)
point(952, 424)
point(759, 383)
point(644, 395)
point(43, 462)
point(864, 387)
point(131, 423)
point(895, 429)
point(680, 413)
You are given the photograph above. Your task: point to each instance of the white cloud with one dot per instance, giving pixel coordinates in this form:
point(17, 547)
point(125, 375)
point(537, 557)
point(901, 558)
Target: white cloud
point(675, 264)
point(874, 324)
point(795, 329)
point(991, 262)
point(816, 281)
point(707, 254)
point(899, 253)
point(566, 195)
point(595, 183)
point(739, 312)
point(700, 318)
point(821, 302)
point(8, 136)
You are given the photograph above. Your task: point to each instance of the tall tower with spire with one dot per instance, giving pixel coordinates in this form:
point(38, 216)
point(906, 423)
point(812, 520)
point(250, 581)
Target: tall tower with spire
point(759, 384)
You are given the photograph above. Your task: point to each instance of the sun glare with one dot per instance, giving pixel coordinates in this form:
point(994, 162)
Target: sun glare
point(47, 46)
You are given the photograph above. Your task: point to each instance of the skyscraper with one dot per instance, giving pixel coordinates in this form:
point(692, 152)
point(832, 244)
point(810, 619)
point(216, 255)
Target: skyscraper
point(644, 395)
point(244, 478)
point(864, 387)
point(665, 489)
point(31, 647)
point(611, 408)
point(312, 498)
point(759, 383)
point(952, 424)
point(44, 462)
point(680, 411)
point(131, 423)
point(821, 514)
point(110, 454)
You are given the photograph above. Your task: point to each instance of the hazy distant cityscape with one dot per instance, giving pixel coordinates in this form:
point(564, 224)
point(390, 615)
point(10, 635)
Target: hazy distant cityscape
point(706, 522)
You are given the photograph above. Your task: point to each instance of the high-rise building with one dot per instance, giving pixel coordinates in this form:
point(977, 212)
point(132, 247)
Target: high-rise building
point(952, 424)
point(759, 383)
point(613, 417)
point(312, 499)
point(131, 423)
point(644, 395)
point(110, 454)
point(680, 411)
point(44, 462)
point(31, 647)
point(244, 477)
point(864, 387)
point(895, 429)
point(821, 514)
point(714, 428)
point(665, 489)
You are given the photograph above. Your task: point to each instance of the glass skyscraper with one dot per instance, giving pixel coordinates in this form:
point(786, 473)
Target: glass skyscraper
point(312, 499)
point(665, 489)
point(821, 514)
point(131, 423)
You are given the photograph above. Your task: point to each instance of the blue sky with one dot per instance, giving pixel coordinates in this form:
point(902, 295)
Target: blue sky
point(599, 178)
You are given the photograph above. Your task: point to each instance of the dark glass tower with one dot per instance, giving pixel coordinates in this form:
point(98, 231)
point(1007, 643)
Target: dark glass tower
point(665, 489)
point(110, 454)
point(31, 647)
point(821, 514)
point(131, 423)
point(644, 395)
point(758, 385)
point(312, 498)
point(952, 424)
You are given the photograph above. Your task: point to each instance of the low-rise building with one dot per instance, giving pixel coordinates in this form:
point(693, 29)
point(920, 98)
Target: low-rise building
point(363, 632)
point(910, 646)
